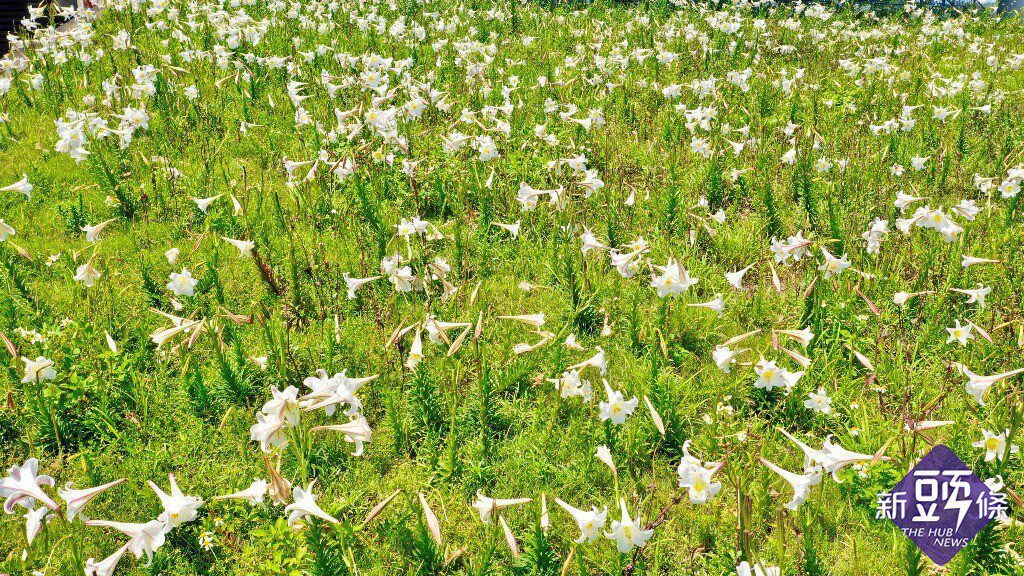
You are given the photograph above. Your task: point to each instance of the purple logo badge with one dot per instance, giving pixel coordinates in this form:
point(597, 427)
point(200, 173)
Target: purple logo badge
point(941, 505)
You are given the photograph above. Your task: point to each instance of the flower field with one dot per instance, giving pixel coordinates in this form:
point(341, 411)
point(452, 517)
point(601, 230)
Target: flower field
point(468, 287)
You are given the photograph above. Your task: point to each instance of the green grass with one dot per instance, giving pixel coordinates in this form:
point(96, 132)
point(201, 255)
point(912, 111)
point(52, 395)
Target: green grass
point(485, 418)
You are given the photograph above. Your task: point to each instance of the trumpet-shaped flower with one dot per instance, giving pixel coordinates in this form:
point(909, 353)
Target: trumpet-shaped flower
point(995, 445)
point(616, 408)
point(254, 494)
point(178, 508)
point(725, 357)
point(357, 431)
point(182, 283)
point(146, 537)
point(800, 483)
point(353, 284)
point(627, 532)
point(304, 504)
point(34, 520)
point(960, 333)
point(770, 376)
point(673, 279)
point(23, 486)
point(23, 186)
point(87, 274)
point(486, 506)
point(77, 499)
point(977, 385)
point(698, 477)
point(38, 370)
point(833, 266)
point(108, 565)
point(589, 522)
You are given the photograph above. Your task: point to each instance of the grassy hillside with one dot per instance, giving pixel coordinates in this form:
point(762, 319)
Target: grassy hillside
point(195, 188)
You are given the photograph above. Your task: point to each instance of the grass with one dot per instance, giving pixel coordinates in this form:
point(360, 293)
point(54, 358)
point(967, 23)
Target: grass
point(484, 418)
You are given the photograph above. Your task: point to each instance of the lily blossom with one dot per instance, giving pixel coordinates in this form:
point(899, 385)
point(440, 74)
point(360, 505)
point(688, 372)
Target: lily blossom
point(23, 486)
point(178, 508)
point(627, 532)
point(617, 408)
point(800, 483)
point(535, 320)
point(34, 520)
point(486, 506)
point(146, 537)
point(597, 361)
point(108, 565)
point(724, 357)
point(78, 498)
point(254, 494)
point(38, 370)
point(304, 504)
point(92, 233)
point(977, 385)
point(357, 431)
point(354, 284)
point(697, 476)
point(22, 186)
point(204, 203)
point(589, 522)
point(244, 246)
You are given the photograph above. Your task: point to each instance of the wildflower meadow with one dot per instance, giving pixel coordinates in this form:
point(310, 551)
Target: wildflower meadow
point(474, 287)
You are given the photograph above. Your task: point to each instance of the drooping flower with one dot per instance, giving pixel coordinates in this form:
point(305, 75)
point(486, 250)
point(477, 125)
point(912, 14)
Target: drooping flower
point(5, 230)
point(356, 431)
point(34, 520)
point(977, 385)
point(245, 247)
point(108, 565)
point(605, 455)
point(21, 186)
point(87, 274)
point(204, 203)
point(725, 357)
point(354, 284)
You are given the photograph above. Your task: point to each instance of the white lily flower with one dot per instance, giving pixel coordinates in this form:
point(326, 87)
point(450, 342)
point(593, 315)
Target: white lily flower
point(589, 522)
point(304, 504)
point(486, 506)
point(78, 498)
point(627, 532)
